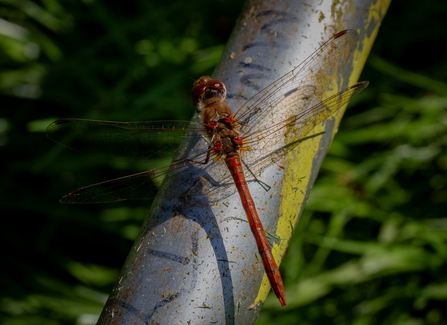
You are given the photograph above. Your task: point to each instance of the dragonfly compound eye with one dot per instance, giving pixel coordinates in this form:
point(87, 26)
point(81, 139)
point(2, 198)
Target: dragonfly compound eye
point(218, 85)
point(197, 93)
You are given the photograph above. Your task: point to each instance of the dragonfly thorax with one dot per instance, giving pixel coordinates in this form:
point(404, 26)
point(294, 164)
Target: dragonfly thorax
point(217, 113)
point(226, 147)
point(226, 142)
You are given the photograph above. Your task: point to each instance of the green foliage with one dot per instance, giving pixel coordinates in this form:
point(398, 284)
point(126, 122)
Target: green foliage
point(370, 247)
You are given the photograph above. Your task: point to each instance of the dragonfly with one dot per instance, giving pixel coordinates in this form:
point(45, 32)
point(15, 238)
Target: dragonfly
point(226, 144)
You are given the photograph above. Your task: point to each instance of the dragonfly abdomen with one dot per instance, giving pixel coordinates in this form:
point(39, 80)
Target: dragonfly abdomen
point(234, 164)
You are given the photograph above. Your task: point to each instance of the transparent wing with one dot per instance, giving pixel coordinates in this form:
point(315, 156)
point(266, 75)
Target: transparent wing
point(305, 84)
point(141, 186)
point(292, 131)
point(129, 141)
point(140, 141)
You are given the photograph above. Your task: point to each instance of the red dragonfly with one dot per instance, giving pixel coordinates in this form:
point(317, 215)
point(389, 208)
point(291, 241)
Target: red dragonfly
point(249, 137)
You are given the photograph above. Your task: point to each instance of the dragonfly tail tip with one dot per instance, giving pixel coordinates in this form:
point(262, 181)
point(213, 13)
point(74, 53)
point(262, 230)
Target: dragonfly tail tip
point(282, 300)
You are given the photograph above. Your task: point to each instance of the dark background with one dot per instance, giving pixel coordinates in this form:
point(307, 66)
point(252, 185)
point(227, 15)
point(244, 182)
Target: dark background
point(370, 247)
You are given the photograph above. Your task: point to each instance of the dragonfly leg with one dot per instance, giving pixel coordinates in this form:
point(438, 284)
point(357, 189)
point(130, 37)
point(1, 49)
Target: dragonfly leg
point(205, 161)
point(211, 147)
point(265, 186)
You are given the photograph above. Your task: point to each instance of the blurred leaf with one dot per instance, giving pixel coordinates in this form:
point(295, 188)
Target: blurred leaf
point(39, 125)
point(92, 274)
point(407, 76)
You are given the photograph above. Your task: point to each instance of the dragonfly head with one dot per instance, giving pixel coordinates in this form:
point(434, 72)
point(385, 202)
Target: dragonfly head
point(207, 90)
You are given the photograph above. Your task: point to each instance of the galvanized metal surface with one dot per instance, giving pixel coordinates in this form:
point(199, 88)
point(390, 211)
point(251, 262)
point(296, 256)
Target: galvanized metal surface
point(195, 261)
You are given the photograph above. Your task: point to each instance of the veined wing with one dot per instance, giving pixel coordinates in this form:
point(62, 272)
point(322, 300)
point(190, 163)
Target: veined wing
point(129, 141)
point(295, 128)
point(141, 186)
point(305, 84)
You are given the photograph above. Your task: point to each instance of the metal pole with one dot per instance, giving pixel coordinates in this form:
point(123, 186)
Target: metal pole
point(195, 261)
